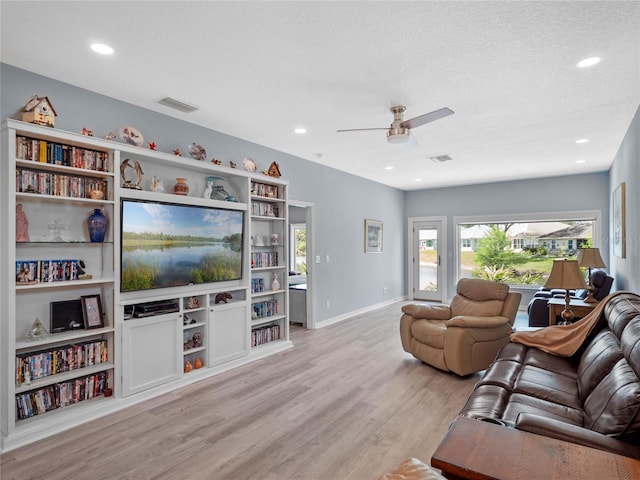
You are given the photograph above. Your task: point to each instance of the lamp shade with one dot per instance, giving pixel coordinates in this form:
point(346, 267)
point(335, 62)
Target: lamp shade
point(565, 274)
point(590, 258)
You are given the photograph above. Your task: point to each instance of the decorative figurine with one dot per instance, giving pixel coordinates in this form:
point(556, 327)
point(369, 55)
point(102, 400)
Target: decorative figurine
point(152, 145)
point(157, 185)
point(223, 297)
point(57, 227)
point(232, 164)
point(110, 135)
point(39, 110)
point(187, 366)
point(197, 340)
point(215, 161)
point(274, 170)
point(249, 165)
point(198, 363)
point(131, 136)
point(181, 187)
point(138, 169)
point(177, 152)
point(192, 303)
point(275, 285)
point(37, 331)
point(275, 239)
point(209, 190)
point(218, 192)
point(87, 132)
point(197, 151)
point(22, 225)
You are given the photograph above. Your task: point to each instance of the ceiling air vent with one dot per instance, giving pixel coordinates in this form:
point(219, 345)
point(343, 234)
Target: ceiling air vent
point(178, 105)
point(440, 158)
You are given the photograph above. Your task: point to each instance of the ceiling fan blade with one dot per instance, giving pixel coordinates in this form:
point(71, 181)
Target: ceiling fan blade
point(361, 129)
point(426, 118)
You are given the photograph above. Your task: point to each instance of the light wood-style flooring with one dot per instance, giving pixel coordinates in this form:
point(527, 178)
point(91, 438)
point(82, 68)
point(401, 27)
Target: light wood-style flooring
point(346, 403)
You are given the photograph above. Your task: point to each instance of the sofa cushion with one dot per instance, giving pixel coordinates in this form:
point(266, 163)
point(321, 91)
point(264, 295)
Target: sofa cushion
point(502, 374)
point(613, 408)
point(547, 385)
point(519, 403)
point(430, 332)
point(596, 362)
point(486, 308)
point(552, 363)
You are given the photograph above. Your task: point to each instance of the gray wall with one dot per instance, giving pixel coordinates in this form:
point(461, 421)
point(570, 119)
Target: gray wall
point(626, 168)
point(576, 192)
point(350, 281)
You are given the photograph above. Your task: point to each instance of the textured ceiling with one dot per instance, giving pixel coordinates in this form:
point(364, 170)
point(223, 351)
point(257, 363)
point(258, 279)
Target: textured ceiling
point(260, 69)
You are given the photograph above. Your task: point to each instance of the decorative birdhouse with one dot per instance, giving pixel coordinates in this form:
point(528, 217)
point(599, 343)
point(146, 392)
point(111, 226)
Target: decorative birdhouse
point(40, 111)
point(274, 170)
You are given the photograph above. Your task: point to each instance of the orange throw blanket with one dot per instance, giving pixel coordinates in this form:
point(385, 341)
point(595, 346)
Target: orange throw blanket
point(563, 340)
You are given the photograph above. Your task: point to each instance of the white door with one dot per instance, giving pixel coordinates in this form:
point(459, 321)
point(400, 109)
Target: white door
point(427, 254)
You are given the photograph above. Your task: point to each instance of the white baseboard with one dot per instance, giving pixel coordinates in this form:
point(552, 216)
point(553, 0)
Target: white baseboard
point(345, 316)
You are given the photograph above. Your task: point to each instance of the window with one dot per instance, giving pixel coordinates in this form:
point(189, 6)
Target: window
point(520, 249)
point(298, 248)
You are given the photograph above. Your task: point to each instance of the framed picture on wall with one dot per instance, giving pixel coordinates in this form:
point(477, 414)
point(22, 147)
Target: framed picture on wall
point(372, 236)
point(617, 216)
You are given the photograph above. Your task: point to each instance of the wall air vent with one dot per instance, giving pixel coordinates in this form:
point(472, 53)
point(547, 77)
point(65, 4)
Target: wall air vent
point(178, 105)
point(440, 158)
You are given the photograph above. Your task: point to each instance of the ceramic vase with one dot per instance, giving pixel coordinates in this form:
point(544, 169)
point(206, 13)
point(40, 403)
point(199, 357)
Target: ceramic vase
point(97, 224)
point(181, 187)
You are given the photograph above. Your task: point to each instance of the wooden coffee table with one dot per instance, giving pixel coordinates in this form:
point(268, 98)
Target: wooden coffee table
point(473, 449)
point(580, 309)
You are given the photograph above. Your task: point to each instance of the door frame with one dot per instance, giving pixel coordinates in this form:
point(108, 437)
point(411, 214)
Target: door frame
point(442, 252)
point(311, 281)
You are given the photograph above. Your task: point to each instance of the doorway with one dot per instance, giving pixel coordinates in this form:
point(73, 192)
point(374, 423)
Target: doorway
point(427, 247)
point(302, 283)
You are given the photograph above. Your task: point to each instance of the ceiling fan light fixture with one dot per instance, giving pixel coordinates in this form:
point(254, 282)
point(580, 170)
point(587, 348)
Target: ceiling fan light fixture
point(398, 135)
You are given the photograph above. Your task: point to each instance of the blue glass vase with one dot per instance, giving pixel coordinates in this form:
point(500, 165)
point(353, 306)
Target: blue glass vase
point(97, 224)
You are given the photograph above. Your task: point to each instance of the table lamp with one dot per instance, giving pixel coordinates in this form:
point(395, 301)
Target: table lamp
point(590, 258)
point(565, 274)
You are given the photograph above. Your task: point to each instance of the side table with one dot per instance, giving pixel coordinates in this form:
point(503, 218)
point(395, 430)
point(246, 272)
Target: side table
point(580, 308)
point(473, 449)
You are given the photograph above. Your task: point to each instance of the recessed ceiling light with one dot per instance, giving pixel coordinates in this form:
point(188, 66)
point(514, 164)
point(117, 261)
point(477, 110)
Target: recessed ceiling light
point(582, 160)
point(588, 62)
point(101, 48)
point(300, 130)
point(388, 167)
point(582, 140)
point(418, 179)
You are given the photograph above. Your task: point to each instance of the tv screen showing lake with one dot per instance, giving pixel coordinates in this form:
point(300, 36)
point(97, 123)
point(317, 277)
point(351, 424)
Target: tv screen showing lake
point(167, 245)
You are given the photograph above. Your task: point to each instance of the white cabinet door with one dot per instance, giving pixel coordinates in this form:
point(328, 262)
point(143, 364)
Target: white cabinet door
point(151, 352)
point(228, 332)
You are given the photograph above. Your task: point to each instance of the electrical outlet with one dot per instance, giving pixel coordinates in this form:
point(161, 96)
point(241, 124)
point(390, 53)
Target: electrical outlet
point(328, 304)
point(317, 258)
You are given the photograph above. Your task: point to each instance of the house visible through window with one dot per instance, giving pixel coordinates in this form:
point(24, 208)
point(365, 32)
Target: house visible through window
point(521, 252)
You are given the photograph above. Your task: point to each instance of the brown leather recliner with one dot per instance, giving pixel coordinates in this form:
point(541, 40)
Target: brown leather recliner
point(465, 336)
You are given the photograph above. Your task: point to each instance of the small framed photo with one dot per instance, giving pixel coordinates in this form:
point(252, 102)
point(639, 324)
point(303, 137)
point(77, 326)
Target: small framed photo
point(372, 236)
point(92, 311)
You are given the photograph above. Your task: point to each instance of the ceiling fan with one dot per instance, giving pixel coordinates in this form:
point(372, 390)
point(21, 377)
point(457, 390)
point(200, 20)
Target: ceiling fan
point(400, 130)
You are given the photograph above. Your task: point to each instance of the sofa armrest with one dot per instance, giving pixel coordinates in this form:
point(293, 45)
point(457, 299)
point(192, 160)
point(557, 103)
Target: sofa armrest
point(427, 312)
point(550, 427)
point(470, 321)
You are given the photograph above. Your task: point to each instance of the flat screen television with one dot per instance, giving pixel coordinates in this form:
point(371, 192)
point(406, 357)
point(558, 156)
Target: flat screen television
point(168, 245)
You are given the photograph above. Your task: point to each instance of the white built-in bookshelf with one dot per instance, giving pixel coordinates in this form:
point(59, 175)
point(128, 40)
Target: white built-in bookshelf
point(147, 340)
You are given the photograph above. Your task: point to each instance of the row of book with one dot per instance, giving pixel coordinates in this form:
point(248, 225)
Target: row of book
point(266, 334)
point(268, 308)
point(46, 270)
point(51, 397)
point(262, 209)
point(40, 364)
point(60, 154)
point(264, 259)
point(59, 185)
point(257, 285)
point(264, 190)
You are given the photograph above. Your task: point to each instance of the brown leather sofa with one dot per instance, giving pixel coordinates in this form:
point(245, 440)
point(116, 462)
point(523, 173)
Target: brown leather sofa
point(465, 336)
point(591, 398)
